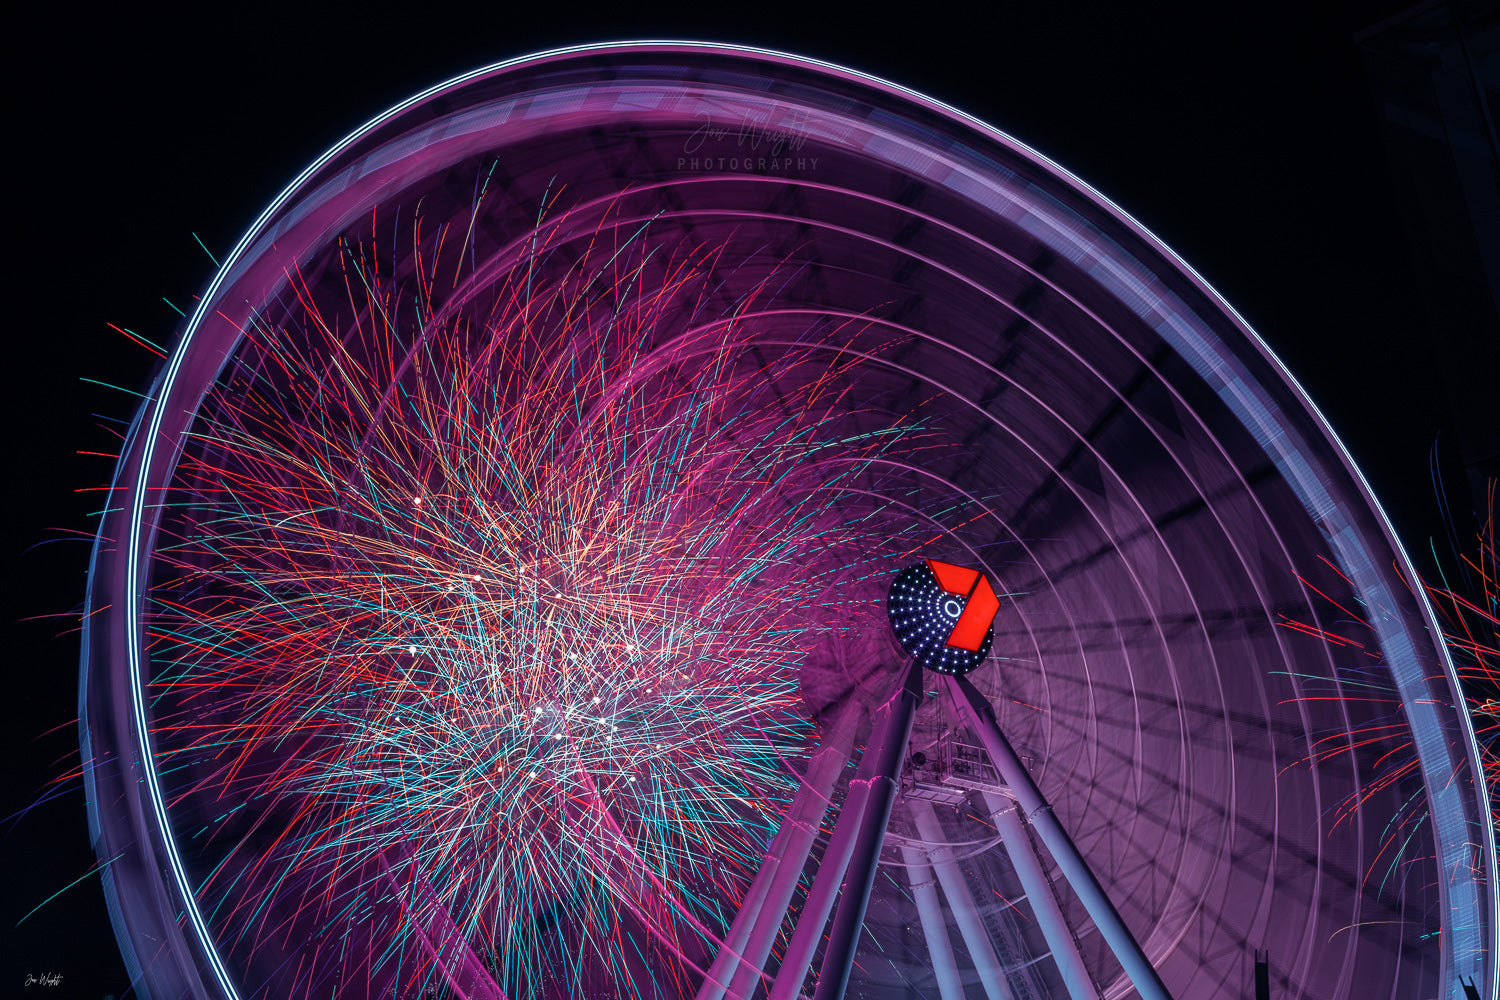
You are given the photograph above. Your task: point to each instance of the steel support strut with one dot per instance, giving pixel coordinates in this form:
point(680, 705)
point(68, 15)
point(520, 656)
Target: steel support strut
point(826, 884)
point(824, 891)
point(934, 927)
point(980, 715)
point(1044, 907)
point(893, 724)
point(756, 924)
point(445, 944)
point(961, 904)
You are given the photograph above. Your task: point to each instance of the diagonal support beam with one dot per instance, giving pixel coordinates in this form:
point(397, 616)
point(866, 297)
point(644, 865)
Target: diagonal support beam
point(1044, 906)
point(824, 891)
point(893, 724)
point(961, 903)
point(748, 944)
point(445, 944)
point(830, 876)
point(649, 899)
point(977, 711)
point(934, 928)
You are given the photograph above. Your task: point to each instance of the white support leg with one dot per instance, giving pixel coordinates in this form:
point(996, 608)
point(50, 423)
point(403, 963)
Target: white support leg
point(976, 710)
point(1049, 916)
point(445, 944)
point(740, 962)
point(820, 900)
point(961, 904)
point(859, 828)
point(893, 722)
point(930, 910)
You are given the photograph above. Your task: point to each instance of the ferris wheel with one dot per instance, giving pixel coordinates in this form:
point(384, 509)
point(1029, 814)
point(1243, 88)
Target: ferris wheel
point(676, 520)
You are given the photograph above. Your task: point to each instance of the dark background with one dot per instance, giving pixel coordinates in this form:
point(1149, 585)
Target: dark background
point(1247, 140)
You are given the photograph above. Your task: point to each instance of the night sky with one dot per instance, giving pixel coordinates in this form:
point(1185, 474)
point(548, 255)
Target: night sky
point(1248, 142)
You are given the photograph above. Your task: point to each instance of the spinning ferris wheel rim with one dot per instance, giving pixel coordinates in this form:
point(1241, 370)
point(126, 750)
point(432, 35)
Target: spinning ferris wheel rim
point(1213, 360)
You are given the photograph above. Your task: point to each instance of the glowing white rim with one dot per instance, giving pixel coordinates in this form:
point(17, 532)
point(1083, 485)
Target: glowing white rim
point(169, 375)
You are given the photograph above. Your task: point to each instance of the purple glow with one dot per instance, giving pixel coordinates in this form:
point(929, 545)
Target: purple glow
point(996, 367)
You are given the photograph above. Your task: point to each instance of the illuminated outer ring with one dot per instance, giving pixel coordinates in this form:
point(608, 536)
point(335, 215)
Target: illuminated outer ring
point(1123, 273)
